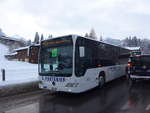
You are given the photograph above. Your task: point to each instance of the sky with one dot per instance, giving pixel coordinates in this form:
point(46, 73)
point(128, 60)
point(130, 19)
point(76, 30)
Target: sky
point(109, 18)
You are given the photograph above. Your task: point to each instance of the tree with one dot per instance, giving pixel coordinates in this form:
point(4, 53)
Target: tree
point(86, 35)
point(134, 41)
point(92, 34)
point(36, 39)
point(29, 42)
point(42, 37)
point(144, 44)
point(101, 38)
point(50, 36)
point(148, 49)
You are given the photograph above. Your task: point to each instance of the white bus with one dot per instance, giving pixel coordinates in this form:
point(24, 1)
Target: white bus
point(76, 64)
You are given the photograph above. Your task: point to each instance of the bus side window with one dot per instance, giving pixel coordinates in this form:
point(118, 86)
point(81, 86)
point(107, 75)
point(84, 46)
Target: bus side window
point(81, 51)
point(107, 62)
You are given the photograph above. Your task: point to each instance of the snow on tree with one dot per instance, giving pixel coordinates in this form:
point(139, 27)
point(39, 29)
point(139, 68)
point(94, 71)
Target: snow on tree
point(132, 41)
point(36, 39)
point(92, 34)
point(144, 44)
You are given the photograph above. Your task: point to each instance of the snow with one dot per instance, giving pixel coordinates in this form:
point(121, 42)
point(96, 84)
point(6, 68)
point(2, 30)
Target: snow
point(22, 48)
point(133, 48)
point(16, 71)
point(13, 38)
point(14, 53)
point(1, 33)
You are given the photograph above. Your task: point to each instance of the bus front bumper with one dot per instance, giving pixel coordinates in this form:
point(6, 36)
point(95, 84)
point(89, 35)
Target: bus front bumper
point(61, 89)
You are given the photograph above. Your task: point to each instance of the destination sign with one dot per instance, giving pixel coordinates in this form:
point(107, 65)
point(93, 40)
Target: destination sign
point(55, 42)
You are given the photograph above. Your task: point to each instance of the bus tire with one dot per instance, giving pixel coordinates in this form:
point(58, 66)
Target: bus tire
point(101, 79)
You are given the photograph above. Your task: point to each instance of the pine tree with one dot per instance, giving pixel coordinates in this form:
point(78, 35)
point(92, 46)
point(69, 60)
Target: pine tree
point(42, 37)
point(29, 42)
point(134, 41)
point(36, 39)
point(86, 35)
point(50, 36)
point(92, 34)
point(101, 38)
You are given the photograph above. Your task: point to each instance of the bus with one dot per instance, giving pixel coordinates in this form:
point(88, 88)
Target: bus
point(76, 64)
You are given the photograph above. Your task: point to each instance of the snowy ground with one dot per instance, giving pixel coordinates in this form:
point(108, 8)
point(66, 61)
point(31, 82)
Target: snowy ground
point(16, 71)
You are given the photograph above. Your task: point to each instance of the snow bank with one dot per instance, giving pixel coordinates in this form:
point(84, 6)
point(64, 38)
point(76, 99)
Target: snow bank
point(16, 71)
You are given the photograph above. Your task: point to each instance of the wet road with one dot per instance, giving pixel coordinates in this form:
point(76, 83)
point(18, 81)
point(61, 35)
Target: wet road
point(116, 97)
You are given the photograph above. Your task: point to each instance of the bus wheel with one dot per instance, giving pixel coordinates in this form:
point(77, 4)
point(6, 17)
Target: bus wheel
point(101, 81)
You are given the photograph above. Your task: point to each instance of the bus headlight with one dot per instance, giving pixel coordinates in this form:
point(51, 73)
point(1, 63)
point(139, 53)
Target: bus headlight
point(72, 85)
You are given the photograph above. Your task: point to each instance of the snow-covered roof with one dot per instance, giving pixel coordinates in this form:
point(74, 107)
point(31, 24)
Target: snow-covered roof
point(133, 48)
point(10, 54)
point(13, 38)
point(35, 45)
point(22, 48)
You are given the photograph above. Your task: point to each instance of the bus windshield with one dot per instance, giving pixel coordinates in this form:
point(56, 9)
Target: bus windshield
point(56, 60)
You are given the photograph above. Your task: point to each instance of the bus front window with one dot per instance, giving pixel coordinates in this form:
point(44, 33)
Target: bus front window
point(56, 61)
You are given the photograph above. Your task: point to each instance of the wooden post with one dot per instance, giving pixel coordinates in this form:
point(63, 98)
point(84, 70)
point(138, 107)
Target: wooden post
point(3, 74)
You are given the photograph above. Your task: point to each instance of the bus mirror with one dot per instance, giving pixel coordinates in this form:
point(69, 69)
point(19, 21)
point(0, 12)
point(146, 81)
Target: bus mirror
point(81, 51)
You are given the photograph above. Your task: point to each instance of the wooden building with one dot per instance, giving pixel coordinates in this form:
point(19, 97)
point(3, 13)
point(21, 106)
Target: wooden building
point(26, 54)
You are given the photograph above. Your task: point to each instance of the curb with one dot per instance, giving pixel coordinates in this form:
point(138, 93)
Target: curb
point(10, 90)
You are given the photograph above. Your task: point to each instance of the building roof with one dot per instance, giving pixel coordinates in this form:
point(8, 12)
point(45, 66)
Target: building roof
point(133, 48)
point(22, 48)
point(13, 38)
point(11, 54)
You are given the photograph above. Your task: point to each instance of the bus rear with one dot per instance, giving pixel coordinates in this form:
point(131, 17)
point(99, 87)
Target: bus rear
point(56, 64)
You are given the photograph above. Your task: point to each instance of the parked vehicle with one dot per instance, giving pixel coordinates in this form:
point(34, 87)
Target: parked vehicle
point(139, 68)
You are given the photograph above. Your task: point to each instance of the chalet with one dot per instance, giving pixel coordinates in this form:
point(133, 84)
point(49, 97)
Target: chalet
point(26, 54)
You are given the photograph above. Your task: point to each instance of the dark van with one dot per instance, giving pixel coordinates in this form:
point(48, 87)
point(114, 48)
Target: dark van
point(139, 67)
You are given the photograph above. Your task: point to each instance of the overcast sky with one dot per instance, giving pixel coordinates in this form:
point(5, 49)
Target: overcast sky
point(110, 18)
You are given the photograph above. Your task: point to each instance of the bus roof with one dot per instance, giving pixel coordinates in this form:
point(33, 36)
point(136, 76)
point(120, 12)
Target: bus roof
point(85, 38)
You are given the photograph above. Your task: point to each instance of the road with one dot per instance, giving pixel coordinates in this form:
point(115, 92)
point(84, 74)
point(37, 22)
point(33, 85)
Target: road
point(116, 97)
